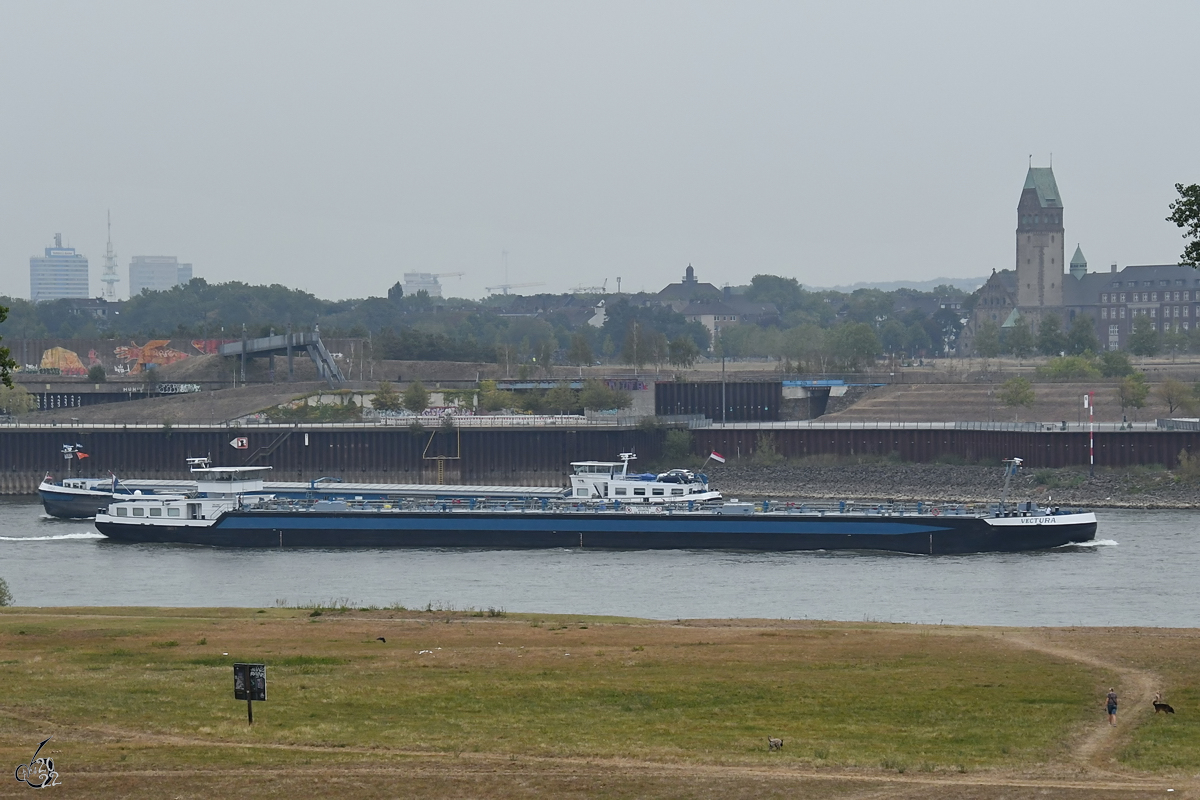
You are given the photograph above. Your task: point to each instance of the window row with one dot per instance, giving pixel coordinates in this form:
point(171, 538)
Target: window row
point(1041, 219)
point(1168, 311)
point(141, 512)
point(1147, 297)
point(620, 491)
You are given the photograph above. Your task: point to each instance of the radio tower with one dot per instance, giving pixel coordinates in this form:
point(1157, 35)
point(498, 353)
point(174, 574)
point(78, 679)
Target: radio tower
point(109, 276)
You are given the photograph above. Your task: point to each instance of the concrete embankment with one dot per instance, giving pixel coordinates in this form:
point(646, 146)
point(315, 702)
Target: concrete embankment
point(1133, 487)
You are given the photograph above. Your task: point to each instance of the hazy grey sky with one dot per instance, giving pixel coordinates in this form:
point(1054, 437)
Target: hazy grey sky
point(334, 146)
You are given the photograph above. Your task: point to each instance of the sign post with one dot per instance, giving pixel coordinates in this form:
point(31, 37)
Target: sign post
point(250, 684)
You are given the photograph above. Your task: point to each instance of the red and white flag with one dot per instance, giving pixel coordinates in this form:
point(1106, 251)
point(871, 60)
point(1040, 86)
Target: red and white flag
point(717, 457)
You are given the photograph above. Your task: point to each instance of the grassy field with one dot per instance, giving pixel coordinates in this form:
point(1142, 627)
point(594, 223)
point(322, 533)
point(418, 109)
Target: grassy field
point(139, 702)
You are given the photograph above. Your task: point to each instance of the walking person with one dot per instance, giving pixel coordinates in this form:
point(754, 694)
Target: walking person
point(1111, 704)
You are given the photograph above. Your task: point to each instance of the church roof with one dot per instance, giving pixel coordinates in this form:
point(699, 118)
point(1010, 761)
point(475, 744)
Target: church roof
point(1078, 257)
point(1041, 179)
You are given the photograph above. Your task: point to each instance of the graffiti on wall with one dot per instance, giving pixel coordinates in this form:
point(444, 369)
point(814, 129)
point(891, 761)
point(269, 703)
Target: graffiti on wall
point(65, 361)
point(132, 358)
point(154, 353)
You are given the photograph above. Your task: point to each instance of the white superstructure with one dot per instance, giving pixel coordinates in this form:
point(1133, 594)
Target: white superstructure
point(611, 480)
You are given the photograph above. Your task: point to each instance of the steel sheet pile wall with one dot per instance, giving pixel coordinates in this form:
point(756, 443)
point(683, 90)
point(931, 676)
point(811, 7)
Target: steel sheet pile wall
point(392, 455)
point(533, 456)
point(756, 401)
point(1039, 449)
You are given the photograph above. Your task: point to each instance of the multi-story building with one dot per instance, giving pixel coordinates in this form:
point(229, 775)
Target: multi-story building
point(1168, 294)
point(156, 273)
point(60, 273)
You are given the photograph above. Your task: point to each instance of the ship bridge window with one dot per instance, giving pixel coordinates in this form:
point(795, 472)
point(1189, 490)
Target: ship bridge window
point(156, 512)
point(172, 512)
point(581, 492)
point(676, 491)
point(640, 492)
point(657, 492)
point(620, 490)
point(139, 512)
point(122, 512)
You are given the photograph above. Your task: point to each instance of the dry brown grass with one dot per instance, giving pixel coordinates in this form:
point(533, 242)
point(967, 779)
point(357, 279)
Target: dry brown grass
point(138, 706)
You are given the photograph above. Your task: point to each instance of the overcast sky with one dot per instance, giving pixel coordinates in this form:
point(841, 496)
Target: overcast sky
point(334, 146)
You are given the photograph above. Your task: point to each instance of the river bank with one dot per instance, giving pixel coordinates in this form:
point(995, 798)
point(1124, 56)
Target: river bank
point(1132, 487)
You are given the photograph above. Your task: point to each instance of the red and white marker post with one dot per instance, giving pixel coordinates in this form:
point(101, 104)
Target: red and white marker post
point(1089, 404)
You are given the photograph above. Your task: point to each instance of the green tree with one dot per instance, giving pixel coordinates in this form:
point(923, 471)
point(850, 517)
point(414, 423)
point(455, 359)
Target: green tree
point(677, 446)
point(1115, 364)
point(494, 399)
point(1175, 340)
point(387, 398)
point(1144, 341)
point(1175, 394)
point(580, 352)
point(916, 339)
point(1082, 337)
point(1020, 339)
point(7, 365)
point(682, 352)
point(1132, 391)
point(987, 339)
point(562, 398)
point(1050, 340)
point(892, 336)
point(785, 293)
point(96, 373)
point(1185, 212)
point(636, 349)
point(543, 354)
point(15, 399)
point(5, 595)
point(416, 397)
point(853, 345)
point(1017, 393)
point(597, 396)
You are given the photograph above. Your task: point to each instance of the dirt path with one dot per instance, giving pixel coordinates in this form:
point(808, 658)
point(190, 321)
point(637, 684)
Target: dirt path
point(442, 763)
point(1135, 687)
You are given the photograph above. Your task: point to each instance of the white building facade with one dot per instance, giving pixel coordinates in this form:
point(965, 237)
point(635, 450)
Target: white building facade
point(60, 273)
point(157, 273)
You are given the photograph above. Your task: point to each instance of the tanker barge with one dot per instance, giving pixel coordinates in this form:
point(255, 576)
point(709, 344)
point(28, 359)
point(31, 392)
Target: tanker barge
point(608, 507)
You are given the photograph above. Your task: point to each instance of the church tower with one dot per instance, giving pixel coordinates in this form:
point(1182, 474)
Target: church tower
point(1040, 248)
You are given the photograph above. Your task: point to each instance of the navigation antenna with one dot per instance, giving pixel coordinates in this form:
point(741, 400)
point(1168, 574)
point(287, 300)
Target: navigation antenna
point(109, 277)
point(1011, 465)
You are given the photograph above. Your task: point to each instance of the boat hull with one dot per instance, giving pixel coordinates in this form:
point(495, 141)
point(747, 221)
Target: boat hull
point(611, 530)
point(75, 504)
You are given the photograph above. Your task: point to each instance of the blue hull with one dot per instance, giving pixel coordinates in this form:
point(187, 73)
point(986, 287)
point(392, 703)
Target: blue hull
point(681, 531)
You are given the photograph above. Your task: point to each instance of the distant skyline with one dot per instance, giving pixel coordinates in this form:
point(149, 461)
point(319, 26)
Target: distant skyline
point(334, 147)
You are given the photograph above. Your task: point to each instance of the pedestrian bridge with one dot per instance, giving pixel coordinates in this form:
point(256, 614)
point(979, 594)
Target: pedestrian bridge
point(286, 345)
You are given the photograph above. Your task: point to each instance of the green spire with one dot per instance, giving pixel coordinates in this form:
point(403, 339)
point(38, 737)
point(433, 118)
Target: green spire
point(1078, 259)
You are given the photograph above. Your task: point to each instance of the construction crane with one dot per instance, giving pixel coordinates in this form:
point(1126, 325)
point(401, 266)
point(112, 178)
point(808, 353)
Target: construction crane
point(504, 287)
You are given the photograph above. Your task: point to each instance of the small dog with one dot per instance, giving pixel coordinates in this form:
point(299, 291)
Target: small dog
point(774, 744)
point(1161, 706)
